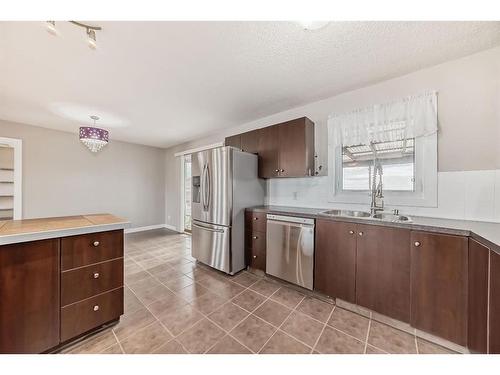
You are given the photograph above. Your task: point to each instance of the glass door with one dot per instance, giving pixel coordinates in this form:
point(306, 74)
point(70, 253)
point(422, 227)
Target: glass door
point(187, 193)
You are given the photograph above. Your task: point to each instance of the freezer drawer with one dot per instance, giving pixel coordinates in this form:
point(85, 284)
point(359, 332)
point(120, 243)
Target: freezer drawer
point(211, 245)
point(290, 249)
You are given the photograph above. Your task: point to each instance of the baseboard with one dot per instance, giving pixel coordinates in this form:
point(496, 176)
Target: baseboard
point(171, 227)
point(149, 227)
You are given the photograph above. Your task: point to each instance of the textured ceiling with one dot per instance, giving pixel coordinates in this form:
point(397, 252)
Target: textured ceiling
point(163, 83)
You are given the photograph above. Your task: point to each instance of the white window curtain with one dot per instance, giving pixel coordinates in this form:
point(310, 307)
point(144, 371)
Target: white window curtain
point(410, 117)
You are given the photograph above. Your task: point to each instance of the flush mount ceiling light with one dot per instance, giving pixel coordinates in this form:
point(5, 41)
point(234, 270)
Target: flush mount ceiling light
point(313, 25)
point(92, 137)
point(90, 30)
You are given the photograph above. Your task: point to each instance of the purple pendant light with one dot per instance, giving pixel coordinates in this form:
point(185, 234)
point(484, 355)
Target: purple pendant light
point(92, 137)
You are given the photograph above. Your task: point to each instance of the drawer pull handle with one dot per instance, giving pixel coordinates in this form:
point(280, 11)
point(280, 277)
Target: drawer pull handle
point(255, 237)
point(360, 233)
point(96, 243)
point(255, 257)
point(96, 275)
point(417, 243)
point(351, 232)
point(96, 308)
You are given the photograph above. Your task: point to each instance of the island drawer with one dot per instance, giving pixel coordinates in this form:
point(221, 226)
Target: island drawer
point(87, 249)
point(91, 313)
point(85, 282)
point(255, 221)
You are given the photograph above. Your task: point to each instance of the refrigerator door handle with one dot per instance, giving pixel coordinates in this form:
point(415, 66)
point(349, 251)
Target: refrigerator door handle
point(208, 189)
point(208, 228)
point(203, 187)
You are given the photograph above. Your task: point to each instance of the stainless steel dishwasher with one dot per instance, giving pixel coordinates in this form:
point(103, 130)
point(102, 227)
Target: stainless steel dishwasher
point(290, 249)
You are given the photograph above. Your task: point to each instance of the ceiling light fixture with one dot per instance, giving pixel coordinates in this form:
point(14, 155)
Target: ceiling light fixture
point(89, 29)
point(313, 25)
point(92, 137)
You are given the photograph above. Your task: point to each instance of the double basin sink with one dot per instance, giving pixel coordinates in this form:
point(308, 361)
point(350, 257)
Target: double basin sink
point(382, 216)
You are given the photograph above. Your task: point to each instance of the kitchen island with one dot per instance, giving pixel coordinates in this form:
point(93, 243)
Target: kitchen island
point(60, 279)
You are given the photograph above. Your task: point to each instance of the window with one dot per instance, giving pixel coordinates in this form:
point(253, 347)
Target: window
point(400, 137)
point(397, 159)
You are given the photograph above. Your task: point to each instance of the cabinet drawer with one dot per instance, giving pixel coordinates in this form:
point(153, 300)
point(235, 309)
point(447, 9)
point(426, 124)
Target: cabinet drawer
point(86, 249)
point(255, 221)
point(256, 240)
point(91, 313)
point(88, 281)
point(257, 258)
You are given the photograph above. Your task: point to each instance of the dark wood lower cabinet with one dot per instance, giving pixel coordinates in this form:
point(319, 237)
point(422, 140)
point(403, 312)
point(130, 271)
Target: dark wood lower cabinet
point(29, 296)
point(494, 313)
point(255, 239)
point(383, 270)
point(439, 269)
point(335, 259)
point(477, 327)
point(55, 290)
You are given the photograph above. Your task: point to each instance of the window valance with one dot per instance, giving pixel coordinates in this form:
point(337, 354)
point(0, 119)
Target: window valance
point(410, 117)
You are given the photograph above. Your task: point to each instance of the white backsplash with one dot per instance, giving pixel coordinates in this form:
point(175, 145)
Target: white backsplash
point(467, 195)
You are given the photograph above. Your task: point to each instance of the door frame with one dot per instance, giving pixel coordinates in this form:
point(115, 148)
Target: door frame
point(17, 145)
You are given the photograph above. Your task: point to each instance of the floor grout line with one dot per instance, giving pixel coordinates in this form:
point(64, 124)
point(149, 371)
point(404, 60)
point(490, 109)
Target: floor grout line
point(118, 341)
point(323, 330)
point(367, 335)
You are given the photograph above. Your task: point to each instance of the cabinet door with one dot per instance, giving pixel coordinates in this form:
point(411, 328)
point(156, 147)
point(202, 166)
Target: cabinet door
point(29, 296)
point(296, 147)
point(250, 141)
point(268, 150)
point(494, 313)
point(439, 285)
point(477, 328)
point(234, 141)
point(335, 259)
point(383, 270)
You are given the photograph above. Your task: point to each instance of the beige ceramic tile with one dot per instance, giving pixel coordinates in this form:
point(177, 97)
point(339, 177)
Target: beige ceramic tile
point(391, 340)
point(146, 340)
point(281, 343)
point(253, 333)
point(303, 328)
point(201, 337)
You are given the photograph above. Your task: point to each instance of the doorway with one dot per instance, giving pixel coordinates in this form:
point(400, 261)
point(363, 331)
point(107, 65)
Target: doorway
point(187, 193)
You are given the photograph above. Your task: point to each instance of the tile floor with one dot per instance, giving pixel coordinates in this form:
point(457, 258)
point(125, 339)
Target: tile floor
point(174, 305)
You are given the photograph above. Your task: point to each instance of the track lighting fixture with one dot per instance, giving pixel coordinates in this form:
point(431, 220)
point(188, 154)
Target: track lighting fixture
point(90, 30)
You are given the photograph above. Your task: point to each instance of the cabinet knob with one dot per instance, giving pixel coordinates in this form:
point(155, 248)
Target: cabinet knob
point(96, 308)
point(96, 275)
point(256, 218)
point(282, 170)
point(417, 244)
point(360, 233)
point(351, 232)
point(255, 237)
point(96, 243)
point(255, 257)
point(276, 170)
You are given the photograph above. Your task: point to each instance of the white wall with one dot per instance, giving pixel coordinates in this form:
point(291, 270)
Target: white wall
point(62, 177)
point(468, 141)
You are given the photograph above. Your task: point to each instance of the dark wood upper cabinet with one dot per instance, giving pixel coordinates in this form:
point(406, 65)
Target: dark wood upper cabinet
point(383, 270)
point(296, 148)
point(494, 314)
point(29, 296)
point(477, 327)
point(285, 149)
point(439, 273)
point(269, 152)
point(233, 141)
point(335, 259)
point(250, 141)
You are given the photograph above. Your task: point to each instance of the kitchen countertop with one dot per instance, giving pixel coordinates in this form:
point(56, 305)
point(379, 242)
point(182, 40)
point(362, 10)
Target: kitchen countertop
point(15, 231)
point(484, 232)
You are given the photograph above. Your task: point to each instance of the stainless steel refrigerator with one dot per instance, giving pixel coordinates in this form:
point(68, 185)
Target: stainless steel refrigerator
point(224, 183)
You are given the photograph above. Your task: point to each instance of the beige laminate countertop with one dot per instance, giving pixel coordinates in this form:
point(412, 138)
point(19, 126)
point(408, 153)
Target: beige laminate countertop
point(485, 232)
point(15, 231)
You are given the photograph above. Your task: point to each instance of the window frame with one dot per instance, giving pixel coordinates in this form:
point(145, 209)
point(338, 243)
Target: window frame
point(424, 195)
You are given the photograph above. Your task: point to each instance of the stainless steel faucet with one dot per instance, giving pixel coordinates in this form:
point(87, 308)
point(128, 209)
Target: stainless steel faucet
point(377, 190)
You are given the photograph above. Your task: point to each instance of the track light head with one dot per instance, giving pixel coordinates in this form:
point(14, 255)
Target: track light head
point(51, 27)
point(91, 39)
